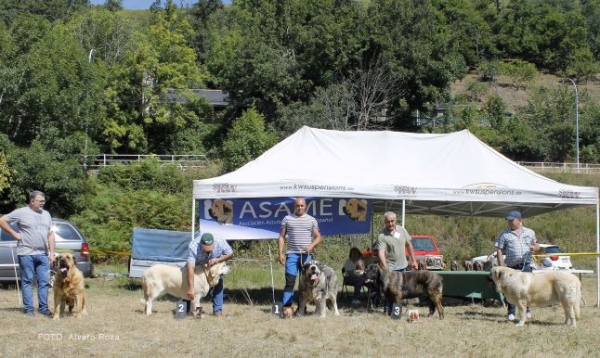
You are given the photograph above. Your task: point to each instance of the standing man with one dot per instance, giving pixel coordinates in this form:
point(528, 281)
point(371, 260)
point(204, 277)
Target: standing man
point(392, 244)
point(303, 236)
point(35, 249)
point(517, 243)
point(208, 250)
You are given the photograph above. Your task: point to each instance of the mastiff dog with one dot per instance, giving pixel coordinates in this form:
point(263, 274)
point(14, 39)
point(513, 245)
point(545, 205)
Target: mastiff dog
point(69, 287)
point(166, 278)
point(318, 285)
point(396, 286)
point(544, 288)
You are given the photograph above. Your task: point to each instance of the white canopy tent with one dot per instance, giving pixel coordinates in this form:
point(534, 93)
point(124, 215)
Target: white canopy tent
point(439, 174)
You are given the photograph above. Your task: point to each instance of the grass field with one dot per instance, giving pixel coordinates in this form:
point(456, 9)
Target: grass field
point(116, 327)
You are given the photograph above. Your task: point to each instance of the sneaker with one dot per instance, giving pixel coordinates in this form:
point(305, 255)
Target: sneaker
point(511, 317)
point(46, 313)
point(29, 314)
point(529, 315)
point(355, 302)
point(219, 315)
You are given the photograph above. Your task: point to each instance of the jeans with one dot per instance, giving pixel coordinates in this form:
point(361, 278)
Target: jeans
point(217, 297)
point(38, 266)
point(293, 264)
point(520, 267)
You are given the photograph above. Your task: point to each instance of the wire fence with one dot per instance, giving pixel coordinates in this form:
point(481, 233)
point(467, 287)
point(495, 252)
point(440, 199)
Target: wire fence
point(555, 167)
point(182, 161)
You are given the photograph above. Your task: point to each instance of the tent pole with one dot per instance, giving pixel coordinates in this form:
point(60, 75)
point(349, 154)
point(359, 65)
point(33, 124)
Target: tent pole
point(403, 211)
point(193, 217)
point(597, 257)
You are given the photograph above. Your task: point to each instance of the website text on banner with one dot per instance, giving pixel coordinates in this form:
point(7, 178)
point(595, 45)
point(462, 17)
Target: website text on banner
point(335, 216)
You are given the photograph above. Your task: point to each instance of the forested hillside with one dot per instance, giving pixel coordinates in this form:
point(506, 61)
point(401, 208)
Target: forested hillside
point(77, 80)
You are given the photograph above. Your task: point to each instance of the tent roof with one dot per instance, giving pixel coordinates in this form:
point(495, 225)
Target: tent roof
point(443, 174)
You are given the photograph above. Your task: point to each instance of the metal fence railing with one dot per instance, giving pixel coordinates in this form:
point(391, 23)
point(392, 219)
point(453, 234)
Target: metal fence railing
point(181, 160)
point(562, 167)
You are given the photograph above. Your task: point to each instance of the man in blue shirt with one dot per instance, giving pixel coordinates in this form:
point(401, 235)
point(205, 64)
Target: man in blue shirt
point(208, 250)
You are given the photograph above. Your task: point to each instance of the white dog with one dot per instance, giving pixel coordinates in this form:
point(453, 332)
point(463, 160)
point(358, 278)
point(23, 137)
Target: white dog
point(173, 280)
point(546, 288)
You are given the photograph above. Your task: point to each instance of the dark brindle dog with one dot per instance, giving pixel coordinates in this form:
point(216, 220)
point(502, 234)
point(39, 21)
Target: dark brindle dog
point(395, 286)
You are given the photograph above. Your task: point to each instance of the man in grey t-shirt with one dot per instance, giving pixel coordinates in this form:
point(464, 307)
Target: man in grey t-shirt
point(35, 249)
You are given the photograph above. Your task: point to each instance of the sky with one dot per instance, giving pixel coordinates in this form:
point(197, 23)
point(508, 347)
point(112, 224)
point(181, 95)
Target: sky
point(145, 4)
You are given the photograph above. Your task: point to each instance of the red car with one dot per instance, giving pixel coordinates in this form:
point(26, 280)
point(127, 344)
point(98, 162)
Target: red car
point(427, 251)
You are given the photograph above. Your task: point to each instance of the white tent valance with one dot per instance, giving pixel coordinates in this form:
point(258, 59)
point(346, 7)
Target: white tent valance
point(444, 174)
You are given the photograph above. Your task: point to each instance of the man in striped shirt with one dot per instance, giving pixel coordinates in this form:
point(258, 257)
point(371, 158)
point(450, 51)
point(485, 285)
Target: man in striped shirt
point(303, 235)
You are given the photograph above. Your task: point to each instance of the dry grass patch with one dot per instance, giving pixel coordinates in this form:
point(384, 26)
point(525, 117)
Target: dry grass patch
point(116, 327)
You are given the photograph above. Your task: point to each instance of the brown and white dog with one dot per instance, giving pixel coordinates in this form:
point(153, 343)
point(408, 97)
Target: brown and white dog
point(543, 288)
point(173, 280)
point(396, 286)
point(69, 287)
point(318, 285)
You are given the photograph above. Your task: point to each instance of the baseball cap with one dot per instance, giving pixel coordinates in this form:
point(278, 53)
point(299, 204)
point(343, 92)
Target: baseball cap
point(514, 215)
point(207, 239)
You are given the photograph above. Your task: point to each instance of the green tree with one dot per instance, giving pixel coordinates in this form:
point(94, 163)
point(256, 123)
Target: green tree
point(247, 139)
point(496, 110)
point(140, 117)
point(423, 59)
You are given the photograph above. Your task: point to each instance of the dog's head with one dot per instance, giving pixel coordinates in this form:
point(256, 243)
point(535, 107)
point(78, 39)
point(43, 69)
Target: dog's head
point(356, 209)
point(371, 273)
point(222, 211)
point(215, 272)
point(498, 274)
point(66, 261)
point(312, 270)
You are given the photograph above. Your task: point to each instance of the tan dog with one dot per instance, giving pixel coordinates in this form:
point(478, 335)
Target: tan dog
point(69, 287)
point(160, 278)
point(356, 209)
point(222, 211)
point(545, 288)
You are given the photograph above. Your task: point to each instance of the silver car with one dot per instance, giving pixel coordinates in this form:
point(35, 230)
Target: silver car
point(68, 239)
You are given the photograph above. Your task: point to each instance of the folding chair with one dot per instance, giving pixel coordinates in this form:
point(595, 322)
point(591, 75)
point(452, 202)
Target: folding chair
point(348, 286)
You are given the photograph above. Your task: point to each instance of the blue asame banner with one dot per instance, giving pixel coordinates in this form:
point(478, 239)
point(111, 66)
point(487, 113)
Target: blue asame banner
point(334, 215)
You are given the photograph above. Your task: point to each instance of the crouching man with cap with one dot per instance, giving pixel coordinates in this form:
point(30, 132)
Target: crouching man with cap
point(208, 250)
point(517, 243)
